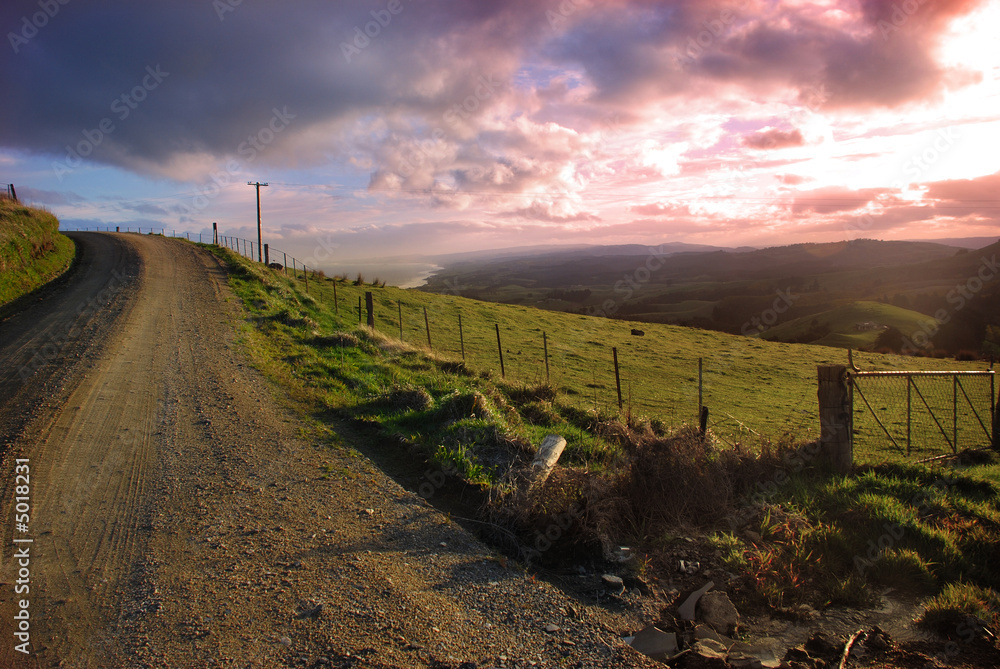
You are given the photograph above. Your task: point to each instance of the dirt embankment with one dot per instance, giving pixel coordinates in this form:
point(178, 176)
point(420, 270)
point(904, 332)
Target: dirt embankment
point(182, 517)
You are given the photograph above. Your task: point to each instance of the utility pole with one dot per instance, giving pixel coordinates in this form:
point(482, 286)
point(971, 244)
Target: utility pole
point(260, 252)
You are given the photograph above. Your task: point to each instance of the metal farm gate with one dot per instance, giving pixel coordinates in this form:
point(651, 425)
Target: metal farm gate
point(921, 414)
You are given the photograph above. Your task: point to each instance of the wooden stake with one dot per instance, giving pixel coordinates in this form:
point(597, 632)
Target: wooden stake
point(701, 388)
point(427, 324)
point(618, 378)
point(545, 348)
point(503, 373)
point(461, 336)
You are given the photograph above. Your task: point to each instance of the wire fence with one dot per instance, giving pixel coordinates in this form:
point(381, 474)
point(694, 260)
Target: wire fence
point(245, 247)
point(600, 365)
point(921, 414)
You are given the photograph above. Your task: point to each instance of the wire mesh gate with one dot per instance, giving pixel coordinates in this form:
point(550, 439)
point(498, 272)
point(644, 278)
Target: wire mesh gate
point(922, 413)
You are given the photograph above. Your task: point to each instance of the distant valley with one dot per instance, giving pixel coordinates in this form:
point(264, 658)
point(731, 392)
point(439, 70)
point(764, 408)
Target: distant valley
point(923, 298)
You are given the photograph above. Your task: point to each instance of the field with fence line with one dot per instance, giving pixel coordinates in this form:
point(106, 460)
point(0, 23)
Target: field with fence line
point(752, 387)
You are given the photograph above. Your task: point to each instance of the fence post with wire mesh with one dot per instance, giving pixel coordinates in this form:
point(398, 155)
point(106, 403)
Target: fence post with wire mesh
point(922, 414)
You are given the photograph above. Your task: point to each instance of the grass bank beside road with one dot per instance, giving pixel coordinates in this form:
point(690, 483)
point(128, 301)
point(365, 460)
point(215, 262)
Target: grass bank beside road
point(32, 250)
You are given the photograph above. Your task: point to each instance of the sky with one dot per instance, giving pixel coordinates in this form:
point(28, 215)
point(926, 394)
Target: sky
point(393, 128)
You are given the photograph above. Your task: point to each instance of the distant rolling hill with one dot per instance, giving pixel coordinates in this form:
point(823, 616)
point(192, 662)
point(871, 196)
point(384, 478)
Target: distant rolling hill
point(855, 325)
point(727, 290)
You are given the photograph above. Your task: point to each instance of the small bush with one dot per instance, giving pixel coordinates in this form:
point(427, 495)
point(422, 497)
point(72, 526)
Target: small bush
point(524, 393)
point(455, 367)
point(336, 340)
point(956, 603)
point(902, 569)
point(409, 399)
point(539, 413)
point(460, 405)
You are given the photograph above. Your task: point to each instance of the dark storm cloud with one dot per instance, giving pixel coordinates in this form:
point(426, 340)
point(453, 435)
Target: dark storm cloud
point(168, 88)
point(218, 80)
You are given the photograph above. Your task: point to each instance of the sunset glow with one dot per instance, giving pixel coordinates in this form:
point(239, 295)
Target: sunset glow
point(464, 125)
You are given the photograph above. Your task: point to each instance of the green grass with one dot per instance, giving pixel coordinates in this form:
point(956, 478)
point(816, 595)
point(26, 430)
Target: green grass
point(838, 540)
point(32, 251)
point(961, 606)
point(821, 538)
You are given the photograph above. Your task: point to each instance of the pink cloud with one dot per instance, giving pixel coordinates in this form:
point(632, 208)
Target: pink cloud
point(772, 138)
point(981, 191)
point(551, 213)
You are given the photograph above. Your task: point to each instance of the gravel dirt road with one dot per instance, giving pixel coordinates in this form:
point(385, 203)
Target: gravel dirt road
point(181, 516)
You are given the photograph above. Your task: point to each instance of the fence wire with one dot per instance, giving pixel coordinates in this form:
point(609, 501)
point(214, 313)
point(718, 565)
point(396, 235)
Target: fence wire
point(918, 415)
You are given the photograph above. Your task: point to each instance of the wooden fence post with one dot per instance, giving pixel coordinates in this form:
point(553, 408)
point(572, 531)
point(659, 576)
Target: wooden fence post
point(336, 302)
point(267, 255)
point(618, 378)
point(503, 373)
point(701, 389)
point(370, 306)
point(545, 352)
point(835, 417)
point(427, 324)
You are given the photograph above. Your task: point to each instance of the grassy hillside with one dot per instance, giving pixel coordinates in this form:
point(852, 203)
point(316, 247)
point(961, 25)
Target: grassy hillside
point(791, 531)
point(751, 386)
point(727, 291)
point(32, 251)
point(838, 326)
